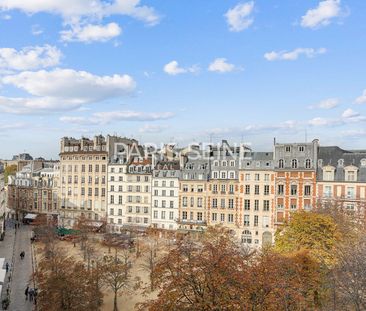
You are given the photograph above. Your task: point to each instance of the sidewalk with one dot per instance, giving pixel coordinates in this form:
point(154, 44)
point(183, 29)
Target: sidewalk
point(21, 270)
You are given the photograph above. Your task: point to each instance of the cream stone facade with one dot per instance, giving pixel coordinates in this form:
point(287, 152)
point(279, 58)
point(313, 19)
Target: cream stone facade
point(83, 177)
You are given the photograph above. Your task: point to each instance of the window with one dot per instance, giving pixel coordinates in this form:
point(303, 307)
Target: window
point(256, 189)
point(301, 148)
point(185, 188)
point(293, 206)
point(266, 205)
point(246, 220)
point(214, 189)
point(171, 215)
point(199, 202)
point(288, 149)
point(246, 237)
point(247, 177)
point(184, 202)
point(247, 189)
point(156, 214)
point(293, 189)
point(214, 203)
point(184, 215)
point(350, 175)
point(222, 217)
point(256, 205)
point(231, 189)
point(223, 188)
point(246, 205)
point(307, 190)
point(222, 203)
point(256, 177)
point(307, 163)
point(266, 177)
point(328, 175)
point(294, 163)
point(162, 214)
point(328, 191)
point(281, 164)
point(214, 216)
point(266, 190)
point(199, 216)
point(112, 199)
point(280, 189)
point(111, 211)
point(90, 168)
point(230, 218)
point(256, 220)
point(350, 193)
point(231, 203)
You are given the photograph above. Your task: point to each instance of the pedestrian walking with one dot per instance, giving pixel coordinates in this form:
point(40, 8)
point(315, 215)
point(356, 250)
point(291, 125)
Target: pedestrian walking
point(31, 294)
point(26, 292)
point(7, 267)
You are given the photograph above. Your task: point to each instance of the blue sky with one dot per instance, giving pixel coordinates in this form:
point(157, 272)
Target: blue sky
point(181, 70)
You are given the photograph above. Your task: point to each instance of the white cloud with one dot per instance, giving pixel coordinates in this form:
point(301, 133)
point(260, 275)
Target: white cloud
point(221, 65)
point(326, 104)
point(36, 30)
point(152, 128)
point(63, 89)
point(106, 117)
point(322, 14)
point(239, 17)
point(349, 113)
point(347, 117)
point(72, 10)
point(172, 68)
point(294, 55)
point(89, 33)
point(361, 99)
point(29, 58)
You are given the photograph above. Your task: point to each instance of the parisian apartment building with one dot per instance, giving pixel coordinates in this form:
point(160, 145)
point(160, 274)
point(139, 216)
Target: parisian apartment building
point(117, 182)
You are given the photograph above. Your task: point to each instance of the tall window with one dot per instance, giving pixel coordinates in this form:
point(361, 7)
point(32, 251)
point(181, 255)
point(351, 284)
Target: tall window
point(280, 163)
point(293, 189)
point(307, 190)
point(294, 163)
point(308, 163)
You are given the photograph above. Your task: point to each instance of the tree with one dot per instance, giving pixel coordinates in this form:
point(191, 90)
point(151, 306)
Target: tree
point(284, 282)
point(9, 170)
point(350, 276)
point(312, 231)
point(204, 275)
point(66, 285)
point(215, 273)
point(117, 276)
point(151, 249)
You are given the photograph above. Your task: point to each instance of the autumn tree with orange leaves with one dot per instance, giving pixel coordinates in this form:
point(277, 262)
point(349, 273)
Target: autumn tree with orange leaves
point(216, 273)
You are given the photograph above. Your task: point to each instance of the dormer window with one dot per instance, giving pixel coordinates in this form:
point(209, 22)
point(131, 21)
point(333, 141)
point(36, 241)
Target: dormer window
point(307, 163)
point(351, 176)
point(340, 162)
point(363, 162)
point(280, 163)
point(294, 163)
point(301, 148)
point(351, 173)
point(216, 163)
point(328, 174)
point(288, 148)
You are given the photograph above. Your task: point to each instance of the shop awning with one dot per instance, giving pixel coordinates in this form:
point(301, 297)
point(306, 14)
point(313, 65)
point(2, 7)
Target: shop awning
point(30, 216)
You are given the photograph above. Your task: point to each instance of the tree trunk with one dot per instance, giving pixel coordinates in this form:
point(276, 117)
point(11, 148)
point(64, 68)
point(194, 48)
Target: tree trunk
point(115, 308)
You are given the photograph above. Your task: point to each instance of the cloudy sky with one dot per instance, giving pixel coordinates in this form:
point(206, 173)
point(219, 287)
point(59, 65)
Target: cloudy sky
point(182, 71)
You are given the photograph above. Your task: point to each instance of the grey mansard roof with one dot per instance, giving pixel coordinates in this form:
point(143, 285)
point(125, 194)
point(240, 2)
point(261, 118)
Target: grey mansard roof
point(339, 159)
